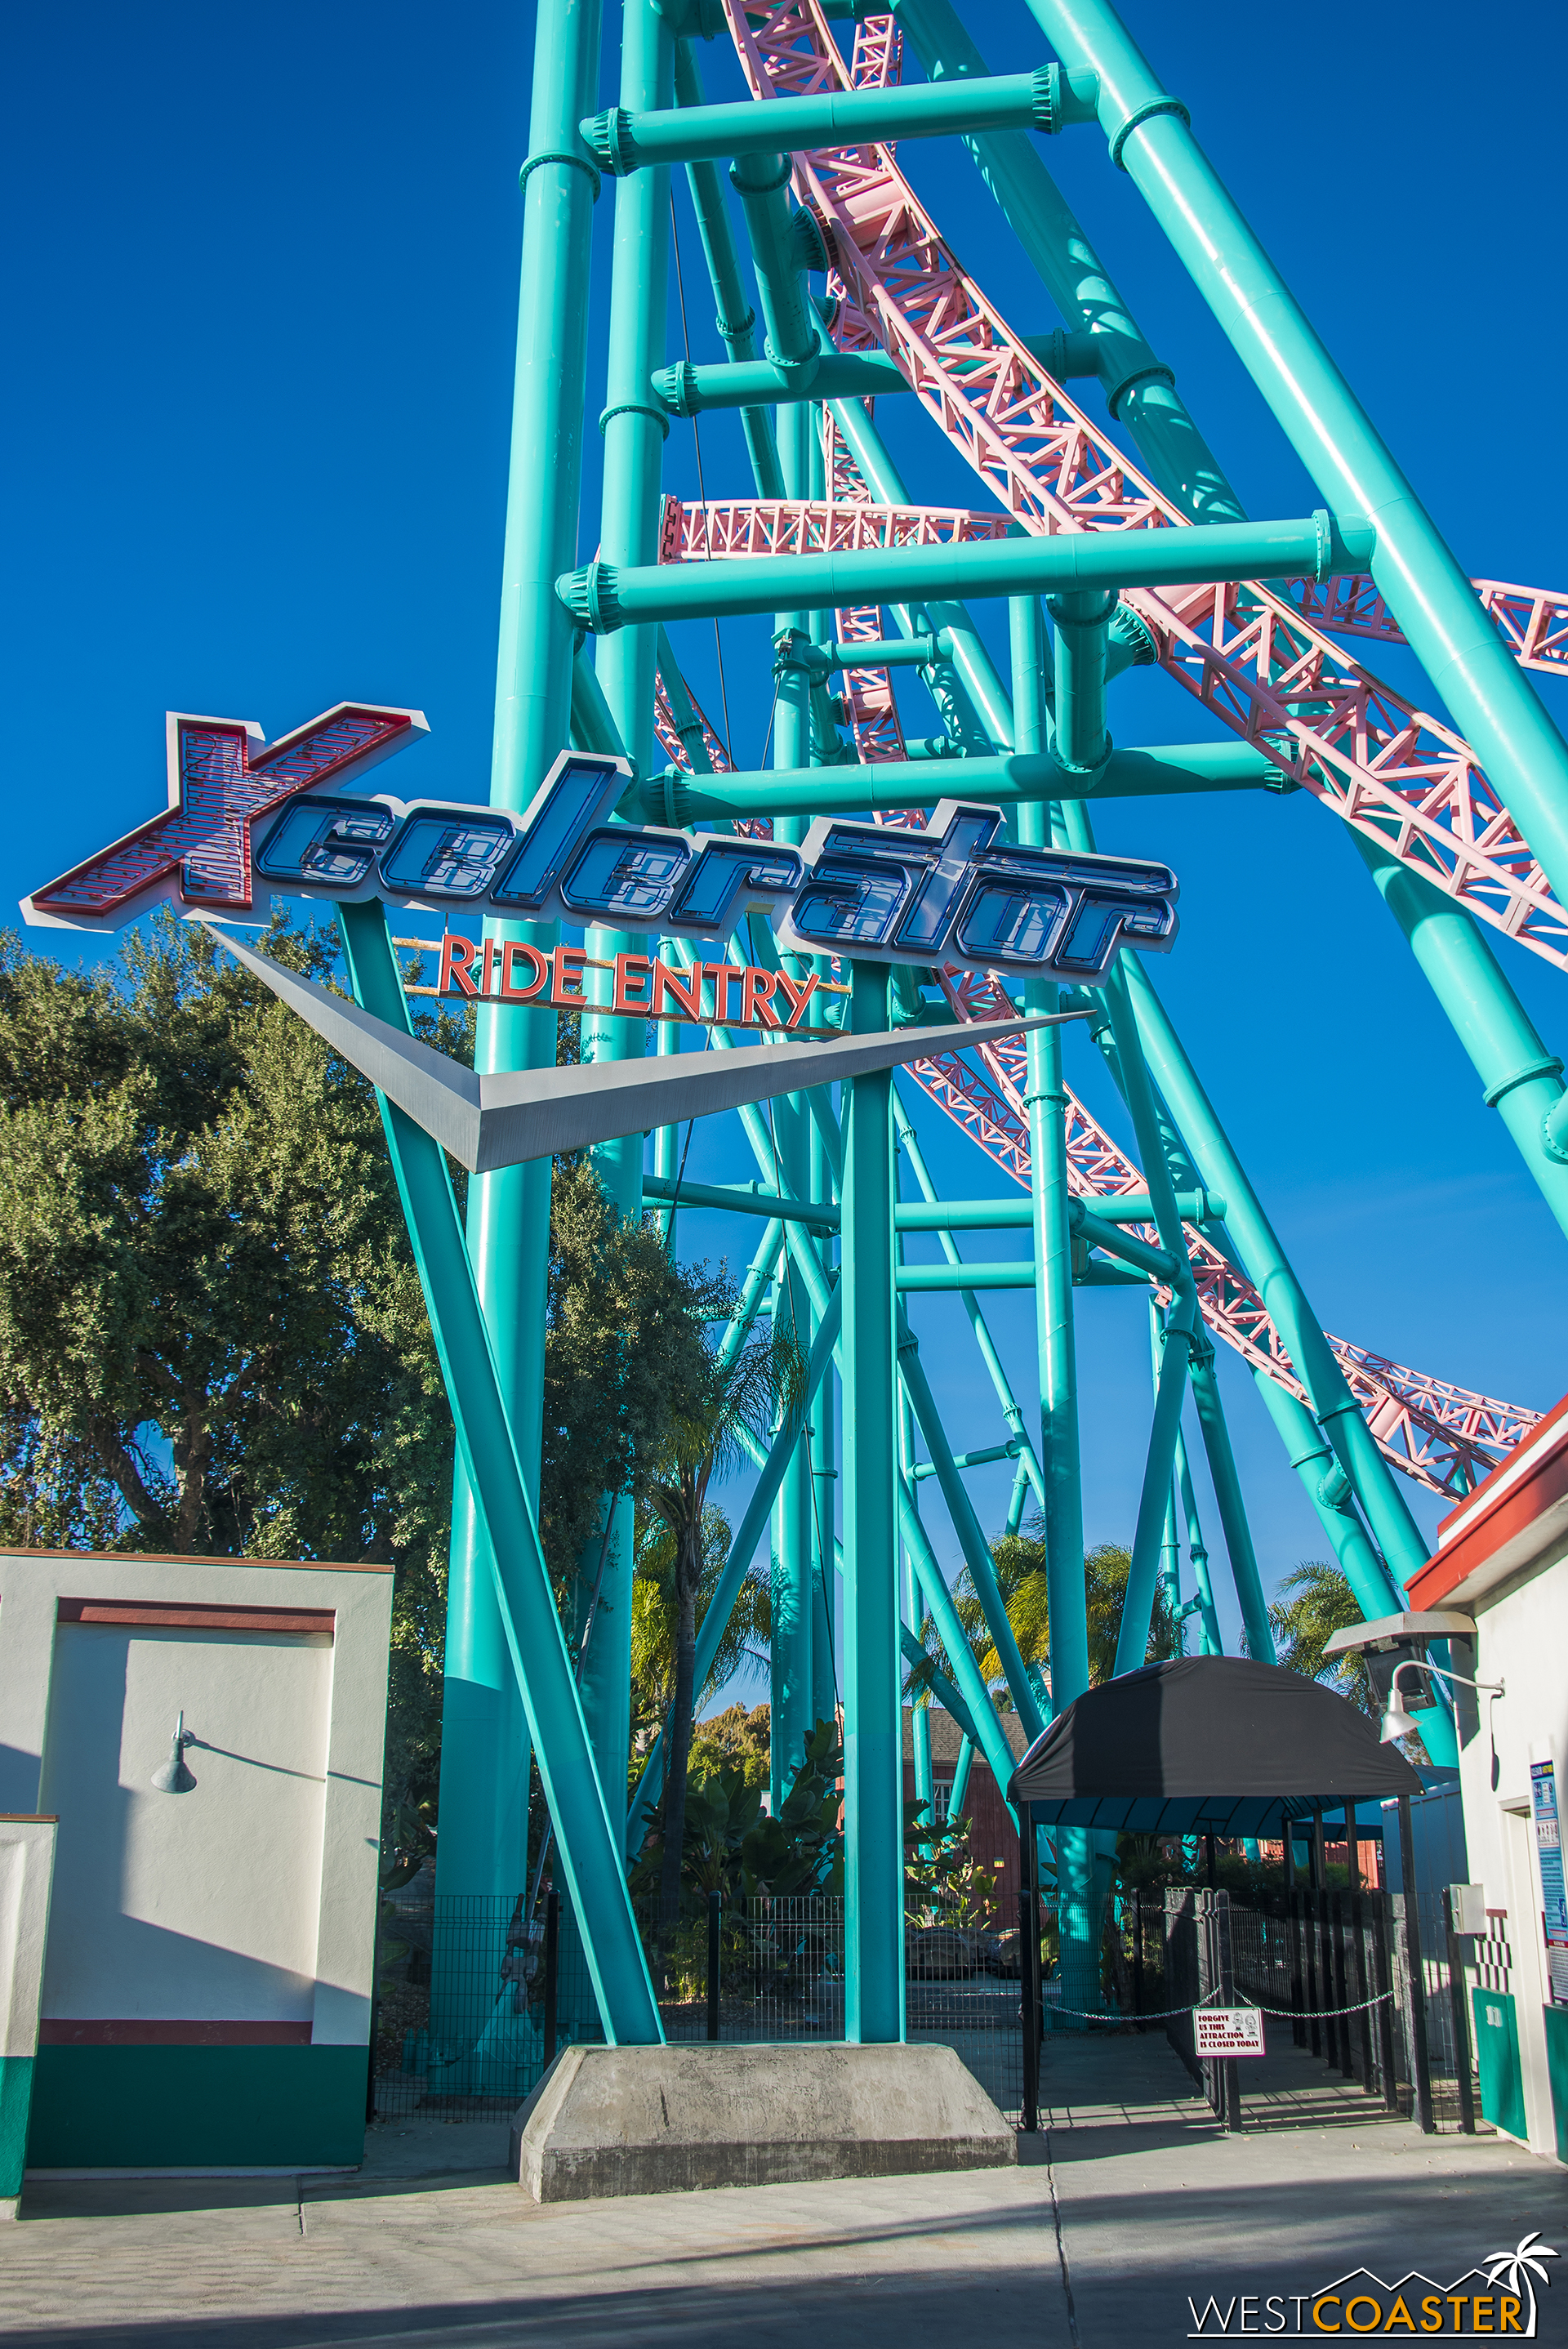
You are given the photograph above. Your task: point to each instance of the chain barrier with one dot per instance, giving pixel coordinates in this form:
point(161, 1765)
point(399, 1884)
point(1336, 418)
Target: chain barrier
point(1164, 2013)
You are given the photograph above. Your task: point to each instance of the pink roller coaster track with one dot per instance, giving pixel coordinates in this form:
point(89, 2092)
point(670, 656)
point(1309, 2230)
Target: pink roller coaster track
point(1260, 661)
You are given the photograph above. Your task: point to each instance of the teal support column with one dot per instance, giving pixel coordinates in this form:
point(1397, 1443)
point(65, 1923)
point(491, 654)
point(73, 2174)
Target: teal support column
point(970, 1540)
point(792, 1591)
point(874, 1769)
point(1028, 1464)
point(960, 1793)
point(1045, 1100)
point(791, 1691)
point(819, 1454)
point(966, 691)
point(1154, 1502)
point(1018, 1497)
point(1491, 700)
point(920, 1713)
point(1197, 1550)
point(1081, 742)
point(1140, 389)
point(484, 1755)
point(1521, 1079)
point(737, 318)
point(633, 429)
point(1228, 1496)
point(588, 1844)
point(742, 1550)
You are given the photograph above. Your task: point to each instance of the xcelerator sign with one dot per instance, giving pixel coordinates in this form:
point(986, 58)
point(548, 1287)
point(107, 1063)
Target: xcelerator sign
point(247, 822)
point(1497, 2296)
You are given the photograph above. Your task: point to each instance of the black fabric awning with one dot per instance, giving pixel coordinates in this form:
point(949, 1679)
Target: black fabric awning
point(1205, 1745)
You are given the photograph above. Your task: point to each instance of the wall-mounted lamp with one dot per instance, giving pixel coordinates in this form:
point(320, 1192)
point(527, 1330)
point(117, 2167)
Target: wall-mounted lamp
point(1397, 1721)
point(172, 1777)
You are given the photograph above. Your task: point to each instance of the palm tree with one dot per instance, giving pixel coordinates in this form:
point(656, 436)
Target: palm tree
point(745, 1646)
point(1019, 1561)
point(1314, 1602)
point(751, 1388)
point(1515, 2270)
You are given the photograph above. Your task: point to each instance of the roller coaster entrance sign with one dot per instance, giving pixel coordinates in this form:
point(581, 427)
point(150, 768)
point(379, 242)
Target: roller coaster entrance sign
point(957, 893)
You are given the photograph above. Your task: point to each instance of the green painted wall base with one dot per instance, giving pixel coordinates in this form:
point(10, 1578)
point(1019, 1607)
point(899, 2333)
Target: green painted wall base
point(15, 2097)
point(197, 2107)
point(1557, 2073)
point(1497, 2061)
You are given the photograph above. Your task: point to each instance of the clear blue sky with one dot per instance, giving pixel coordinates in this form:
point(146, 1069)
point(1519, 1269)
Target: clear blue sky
point(263, 279)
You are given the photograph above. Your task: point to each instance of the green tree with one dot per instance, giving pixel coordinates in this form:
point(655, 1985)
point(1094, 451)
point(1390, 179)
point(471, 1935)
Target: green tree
point(1314, 1603)
point(1019, 1561)
point(212, 1335)
point(744, 1647)
point(735, 1389)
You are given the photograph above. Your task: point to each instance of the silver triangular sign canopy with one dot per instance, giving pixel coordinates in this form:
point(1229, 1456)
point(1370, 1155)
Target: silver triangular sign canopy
point(501, 1119)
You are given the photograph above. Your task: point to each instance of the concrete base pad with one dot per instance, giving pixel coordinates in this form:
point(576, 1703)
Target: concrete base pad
point(667, 2120)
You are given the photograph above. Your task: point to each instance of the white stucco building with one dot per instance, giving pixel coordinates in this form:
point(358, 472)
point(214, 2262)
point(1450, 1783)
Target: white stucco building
point(1502, 1558)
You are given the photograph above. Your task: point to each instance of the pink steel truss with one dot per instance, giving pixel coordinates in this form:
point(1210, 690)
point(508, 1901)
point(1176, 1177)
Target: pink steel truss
point(1264, 668)
point(1531, 621)
point(1442, 1436)
point(697, 533)
point(665, 727)
point(869, 701)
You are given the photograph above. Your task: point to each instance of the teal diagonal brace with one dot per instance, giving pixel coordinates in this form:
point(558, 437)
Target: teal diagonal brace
point(742, 1550)
point(589, 1847)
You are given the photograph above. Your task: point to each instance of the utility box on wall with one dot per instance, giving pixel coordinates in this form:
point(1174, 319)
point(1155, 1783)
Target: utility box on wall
point(208, 1983)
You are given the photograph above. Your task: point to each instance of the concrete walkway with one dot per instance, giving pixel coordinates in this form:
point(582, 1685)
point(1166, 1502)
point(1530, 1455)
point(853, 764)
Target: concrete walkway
point(1127, 2203)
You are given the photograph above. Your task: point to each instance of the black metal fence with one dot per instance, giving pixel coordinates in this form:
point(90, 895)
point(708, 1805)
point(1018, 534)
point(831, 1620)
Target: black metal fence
point(1371, 1984)
point(474, 1998)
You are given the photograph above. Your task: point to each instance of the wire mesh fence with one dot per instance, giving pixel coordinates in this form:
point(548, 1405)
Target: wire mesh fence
point(474, 1998)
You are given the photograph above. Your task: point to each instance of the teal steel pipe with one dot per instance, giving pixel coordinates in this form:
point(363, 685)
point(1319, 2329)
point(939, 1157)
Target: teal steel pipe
point(1046, 1103)
point(920, 1713)
point(792, 1594)
point(1230, 1500)
point(1156, 1262)
point(602, 597)
point(673, 797)
point(755, 1199)
point(934, 1214)
point(1154, 1500)
point(735, 315)
point(784, 242)
point(1197, 1550)
point(924, 1279)
point(966, 690)
point(691, 390)
point(917, 1659)
point(1082, 740)
point(966, 1525)
point(742, 1550)
point(880, 652)
point(634, 432)
point(623, 140)
point(1491, 702)
point(976, 1697)
point(911, 1214)
point(1372, 1586)
point(1140, 389)
point(1270, 1271)
point(819, 1452)
point(484, 1764)
point(959, 1794)
point(873, 1739)
point(1521, 1079)
point(1016, 1498)
point(1008, 1451)
point(589, 1846)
